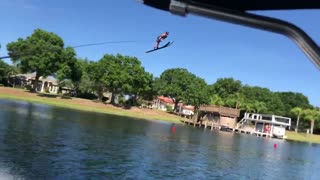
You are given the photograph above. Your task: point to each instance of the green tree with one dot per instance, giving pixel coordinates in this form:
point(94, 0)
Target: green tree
point(197, 93)
point(124, 75)
point(260, 107)
point(240, 99)
point(236, 100)
point(216, 100)
point(149, 93)
point(272, 102)
point(94, 74)
point(224, 87)
point(256, 93)
point(312, 115)
point(248, 107)
point(42, 52)
point(291, 100)
point(231, 101)
point(174, 83)
point(144, 87)
point(297, 111)
point(85, 84)
point(276, 106)
point(139, 83)
point(6, 71)
point(70, 70)
point(182, 85)
point(4, 67)
point(231, 93)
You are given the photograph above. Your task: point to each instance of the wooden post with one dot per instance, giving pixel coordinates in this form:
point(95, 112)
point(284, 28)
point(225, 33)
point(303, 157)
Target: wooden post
point(195, 118)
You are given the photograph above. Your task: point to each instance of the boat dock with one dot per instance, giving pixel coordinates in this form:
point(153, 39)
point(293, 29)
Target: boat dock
point(212, 125)
point(261, 125)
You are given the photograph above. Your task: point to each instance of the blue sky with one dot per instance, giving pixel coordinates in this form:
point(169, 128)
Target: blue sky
point(210, 49)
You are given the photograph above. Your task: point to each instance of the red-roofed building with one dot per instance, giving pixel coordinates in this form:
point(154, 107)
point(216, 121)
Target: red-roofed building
point(165, 99)
point(162, 102)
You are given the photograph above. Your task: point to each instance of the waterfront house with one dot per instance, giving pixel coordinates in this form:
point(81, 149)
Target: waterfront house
point(48, 84)
point(263, 125)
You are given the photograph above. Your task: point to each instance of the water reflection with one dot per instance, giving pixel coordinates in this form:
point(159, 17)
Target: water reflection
point(42, 142)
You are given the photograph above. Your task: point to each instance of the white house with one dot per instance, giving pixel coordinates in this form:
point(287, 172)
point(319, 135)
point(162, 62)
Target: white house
point(49, 83)
point(264, 124)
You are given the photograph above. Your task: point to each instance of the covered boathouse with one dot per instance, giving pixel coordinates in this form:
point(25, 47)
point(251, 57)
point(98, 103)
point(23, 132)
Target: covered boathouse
point(215, 117)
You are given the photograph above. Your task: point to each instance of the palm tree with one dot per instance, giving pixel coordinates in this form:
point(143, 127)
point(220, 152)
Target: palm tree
point(248, 107)
point(260, 107)
point(297, 112)
point(230, 102)
point(239, 100)
point(216, 100)
point(311, 115)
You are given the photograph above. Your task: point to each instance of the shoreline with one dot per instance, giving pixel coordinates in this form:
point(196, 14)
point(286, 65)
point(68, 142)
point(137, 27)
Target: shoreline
point(88, 105)
point(136, 113)
point(302, 137)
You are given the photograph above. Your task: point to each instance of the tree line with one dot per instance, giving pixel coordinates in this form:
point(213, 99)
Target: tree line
point(45, 53)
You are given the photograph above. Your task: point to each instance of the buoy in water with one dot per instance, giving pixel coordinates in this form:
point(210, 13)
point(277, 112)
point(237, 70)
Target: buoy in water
point(173, 129)
point(275, 146)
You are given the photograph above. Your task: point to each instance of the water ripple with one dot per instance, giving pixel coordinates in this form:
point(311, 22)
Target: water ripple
point(41, 142)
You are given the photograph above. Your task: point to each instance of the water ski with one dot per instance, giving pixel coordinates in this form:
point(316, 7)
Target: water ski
point(164, 46)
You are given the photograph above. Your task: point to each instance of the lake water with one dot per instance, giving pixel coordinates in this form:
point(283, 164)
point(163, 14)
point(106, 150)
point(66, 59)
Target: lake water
point(44, 142)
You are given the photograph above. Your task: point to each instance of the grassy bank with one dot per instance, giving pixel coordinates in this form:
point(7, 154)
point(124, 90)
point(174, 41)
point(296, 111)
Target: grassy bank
point(303, 137)
point(86, 105)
